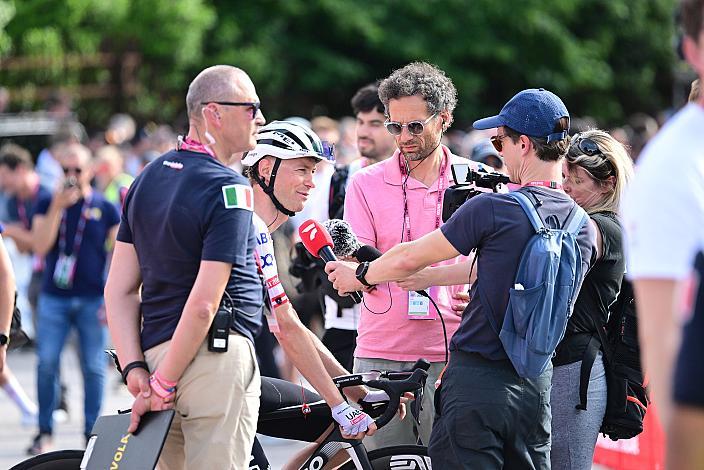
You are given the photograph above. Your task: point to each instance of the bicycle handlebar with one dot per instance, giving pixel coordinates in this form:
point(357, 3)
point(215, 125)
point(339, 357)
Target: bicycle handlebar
point(394, 383)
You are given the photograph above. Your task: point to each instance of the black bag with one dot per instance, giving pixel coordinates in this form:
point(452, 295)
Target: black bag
point(627, 396)
point(336, 199)
point(18, 337)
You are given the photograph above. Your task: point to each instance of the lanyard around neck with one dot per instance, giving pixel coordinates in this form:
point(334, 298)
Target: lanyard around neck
point(438, 204)
point(78, 237)
point(545, 184)
point(186, 143)
point(22, 211)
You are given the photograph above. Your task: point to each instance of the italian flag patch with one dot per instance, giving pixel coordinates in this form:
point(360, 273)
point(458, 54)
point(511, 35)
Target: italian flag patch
point(238, 196)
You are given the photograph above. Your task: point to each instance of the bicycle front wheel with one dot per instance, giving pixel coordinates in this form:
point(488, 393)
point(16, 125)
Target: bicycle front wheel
point(395, 457)
point(58, 460)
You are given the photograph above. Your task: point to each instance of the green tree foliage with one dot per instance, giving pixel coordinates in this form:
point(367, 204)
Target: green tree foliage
point(606, 58)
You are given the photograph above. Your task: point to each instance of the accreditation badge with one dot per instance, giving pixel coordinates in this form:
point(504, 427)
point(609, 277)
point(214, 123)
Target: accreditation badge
point(64, 271)
point(418, 307)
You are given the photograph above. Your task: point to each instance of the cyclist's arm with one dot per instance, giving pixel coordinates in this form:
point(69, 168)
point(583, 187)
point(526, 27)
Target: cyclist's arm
point(297, 343)
point(335, 369)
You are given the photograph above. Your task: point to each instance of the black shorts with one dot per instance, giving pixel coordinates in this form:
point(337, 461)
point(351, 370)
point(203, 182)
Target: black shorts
point(281, 415)
point(688, 387)
point(341, 344)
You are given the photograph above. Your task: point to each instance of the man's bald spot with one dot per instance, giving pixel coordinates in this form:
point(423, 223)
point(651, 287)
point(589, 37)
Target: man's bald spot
point(216, 83)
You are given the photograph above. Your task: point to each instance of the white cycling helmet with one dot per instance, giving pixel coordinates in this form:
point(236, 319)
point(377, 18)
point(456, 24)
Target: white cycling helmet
point(284, 140)
point(287, 140)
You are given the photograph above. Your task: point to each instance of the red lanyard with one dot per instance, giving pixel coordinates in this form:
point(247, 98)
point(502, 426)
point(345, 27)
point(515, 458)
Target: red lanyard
point(545, 184)
point(438, 205)
point(186, 143)
point(22, 211)
point(78, 238)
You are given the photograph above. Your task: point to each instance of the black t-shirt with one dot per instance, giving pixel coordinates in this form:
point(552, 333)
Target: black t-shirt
point(186, 207)
point(599, 290)
point(498, 227)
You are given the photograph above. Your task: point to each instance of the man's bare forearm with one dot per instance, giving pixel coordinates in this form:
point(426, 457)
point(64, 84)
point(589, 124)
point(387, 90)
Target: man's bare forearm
point(122, 311)
point(659, 302)
point(298, 345)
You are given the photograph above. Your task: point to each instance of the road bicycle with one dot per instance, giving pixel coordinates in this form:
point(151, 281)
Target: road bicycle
point(290, 411)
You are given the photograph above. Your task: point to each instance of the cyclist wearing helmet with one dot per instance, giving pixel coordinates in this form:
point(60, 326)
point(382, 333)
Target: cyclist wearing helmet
point(281, 169)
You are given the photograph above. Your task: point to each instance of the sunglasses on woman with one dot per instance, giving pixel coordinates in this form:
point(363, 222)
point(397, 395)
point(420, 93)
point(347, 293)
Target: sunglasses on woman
point(253, 106)
point(414, 127)
point(587, 146)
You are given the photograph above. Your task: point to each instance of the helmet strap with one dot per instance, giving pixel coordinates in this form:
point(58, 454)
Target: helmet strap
point(269, 189)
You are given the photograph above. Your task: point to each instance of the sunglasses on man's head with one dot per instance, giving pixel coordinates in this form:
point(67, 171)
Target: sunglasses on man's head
point(72, 169)
point(253, 106)
point(414, 127)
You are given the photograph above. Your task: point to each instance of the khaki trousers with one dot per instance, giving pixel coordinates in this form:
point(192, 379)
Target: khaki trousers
point(217, 405)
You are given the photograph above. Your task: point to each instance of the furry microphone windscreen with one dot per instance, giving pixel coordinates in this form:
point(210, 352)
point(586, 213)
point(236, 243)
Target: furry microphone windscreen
point(344, 240)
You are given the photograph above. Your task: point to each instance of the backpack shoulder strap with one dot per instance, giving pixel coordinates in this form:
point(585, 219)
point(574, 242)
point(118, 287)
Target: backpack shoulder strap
point(576, 220)
point(529, 209)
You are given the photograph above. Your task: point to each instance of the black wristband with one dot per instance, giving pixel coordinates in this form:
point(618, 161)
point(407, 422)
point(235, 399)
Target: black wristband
point(133, 365)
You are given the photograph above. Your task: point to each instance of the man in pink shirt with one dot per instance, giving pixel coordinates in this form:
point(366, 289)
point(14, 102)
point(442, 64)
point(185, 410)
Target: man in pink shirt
point(398, 200)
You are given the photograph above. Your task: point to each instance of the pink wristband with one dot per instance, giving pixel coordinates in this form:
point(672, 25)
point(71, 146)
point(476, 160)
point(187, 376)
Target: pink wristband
point(163, 381)
point(159, 389)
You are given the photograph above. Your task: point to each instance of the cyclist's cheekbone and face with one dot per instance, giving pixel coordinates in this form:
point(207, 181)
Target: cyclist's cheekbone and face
point(294, 180)
point(283, 164)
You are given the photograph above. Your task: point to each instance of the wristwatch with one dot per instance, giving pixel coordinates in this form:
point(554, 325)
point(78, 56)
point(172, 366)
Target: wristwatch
point(361, 271)
point(4, 339)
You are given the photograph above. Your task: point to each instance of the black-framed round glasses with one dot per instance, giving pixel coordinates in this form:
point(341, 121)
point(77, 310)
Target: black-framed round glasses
point(414, 127)
point(253, 106)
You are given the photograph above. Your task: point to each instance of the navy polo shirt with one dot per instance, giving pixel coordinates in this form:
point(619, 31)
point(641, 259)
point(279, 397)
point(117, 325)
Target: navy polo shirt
point(498, 227)
point(89, 279)
point(43, 197)
point(176, 214)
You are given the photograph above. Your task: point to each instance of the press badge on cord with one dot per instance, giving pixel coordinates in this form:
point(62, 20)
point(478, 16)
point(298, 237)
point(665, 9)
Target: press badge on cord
point(64, 271)
point(419, 307)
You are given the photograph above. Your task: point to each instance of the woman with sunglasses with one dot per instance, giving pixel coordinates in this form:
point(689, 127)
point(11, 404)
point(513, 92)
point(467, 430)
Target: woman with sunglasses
point(595, 172)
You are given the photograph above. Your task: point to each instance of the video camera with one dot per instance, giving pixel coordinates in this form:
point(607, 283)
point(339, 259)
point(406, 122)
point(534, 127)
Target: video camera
point(467, 180)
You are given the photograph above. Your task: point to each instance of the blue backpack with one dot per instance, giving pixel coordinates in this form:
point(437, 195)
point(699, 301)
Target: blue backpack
point(542, 298)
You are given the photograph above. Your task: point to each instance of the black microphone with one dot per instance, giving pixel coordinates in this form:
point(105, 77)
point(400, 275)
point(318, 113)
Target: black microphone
point(369, 253)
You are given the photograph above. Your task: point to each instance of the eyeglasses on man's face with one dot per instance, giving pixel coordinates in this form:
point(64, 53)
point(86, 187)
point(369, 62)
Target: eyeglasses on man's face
point(496, 141)
point(72, 169)
point(253, 106)
point(414, 127)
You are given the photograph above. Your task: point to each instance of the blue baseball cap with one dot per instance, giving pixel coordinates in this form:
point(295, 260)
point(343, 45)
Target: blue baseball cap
point(533, 112)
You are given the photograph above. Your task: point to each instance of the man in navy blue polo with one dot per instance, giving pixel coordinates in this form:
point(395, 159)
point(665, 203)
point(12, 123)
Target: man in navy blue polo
point(71, 229)
point(186, 240)
point(488, 416)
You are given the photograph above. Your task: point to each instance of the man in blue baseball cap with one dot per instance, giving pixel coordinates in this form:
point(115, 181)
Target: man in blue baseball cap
point(505, 419)
point(488, 416)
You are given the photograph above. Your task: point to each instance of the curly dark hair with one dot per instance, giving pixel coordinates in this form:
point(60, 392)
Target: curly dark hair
point(420, 78)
